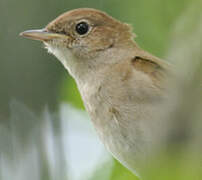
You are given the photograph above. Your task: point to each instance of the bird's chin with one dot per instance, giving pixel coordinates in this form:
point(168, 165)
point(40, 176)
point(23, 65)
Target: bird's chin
point(49, 46)
point(63, 54)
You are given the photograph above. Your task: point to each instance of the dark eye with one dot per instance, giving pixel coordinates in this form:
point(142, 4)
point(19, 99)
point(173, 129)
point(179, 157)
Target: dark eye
point(82, 28)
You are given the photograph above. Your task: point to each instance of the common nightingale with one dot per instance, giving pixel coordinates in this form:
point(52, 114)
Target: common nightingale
point(122, 86)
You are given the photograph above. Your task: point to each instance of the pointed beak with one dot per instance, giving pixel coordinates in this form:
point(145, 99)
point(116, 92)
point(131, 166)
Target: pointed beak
point(40, 34)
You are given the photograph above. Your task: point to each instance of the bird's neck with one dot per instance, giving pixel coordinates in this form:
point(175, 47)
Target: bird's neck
point(84, 69)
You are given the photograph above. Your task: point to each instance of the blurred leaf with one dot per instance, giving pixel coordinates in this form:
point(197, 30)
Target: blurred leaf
point(119, 172)
point(70, 93)
point(103, 171)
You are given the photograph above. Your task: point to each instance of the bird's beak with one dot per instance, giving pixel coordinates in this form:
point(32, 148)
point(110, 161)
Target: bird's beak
point(40, 34)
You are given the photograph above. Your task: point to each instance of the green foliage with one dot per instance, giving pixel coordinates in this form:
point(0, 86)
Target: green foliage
point(70, 93)
point(119, 172)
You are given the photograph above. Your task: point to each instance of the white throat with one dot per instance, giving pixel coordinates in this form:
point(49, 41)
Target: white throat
point(65, 56)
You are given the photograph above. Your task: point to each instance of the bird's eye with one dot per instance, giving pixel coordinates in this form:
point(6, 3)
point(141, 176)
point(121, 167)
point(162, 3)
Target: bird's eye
point(82, 28)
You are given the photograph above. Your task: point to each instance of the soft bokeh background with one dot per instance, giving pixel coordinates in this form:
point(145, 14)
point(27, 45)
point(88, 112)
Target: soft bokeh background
point(44, 132)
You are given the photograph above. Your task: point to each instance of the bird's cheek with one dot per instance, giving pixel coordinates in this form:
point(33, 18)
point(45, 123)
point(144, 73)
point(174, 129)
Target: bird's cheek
point(99, 43)
point(100, 38)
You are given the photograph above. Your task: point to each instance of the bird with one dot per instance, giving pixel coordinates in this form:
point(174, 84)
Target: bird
point(123, 87)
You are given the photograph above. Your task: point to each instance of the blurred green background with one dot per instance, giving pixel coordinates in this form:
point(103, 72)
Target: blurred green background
point(32, 80)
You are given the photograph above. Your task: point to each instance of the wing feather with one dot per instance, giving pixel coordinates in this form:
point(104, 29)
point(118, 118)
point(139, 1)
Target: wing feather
point(158, 70)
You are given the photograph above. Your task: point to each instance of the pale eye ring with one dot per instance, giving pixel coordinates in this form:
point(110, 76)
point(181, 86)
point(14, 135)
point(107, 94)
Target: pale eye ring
point(82, 28)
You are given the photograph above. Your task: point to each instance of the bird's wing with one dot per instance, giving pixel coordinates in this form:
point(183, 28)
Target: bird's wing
point(159, 71)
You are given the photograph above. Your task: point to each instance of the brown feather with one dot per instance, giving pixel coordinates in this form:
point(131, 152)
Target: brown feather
point(159, 71)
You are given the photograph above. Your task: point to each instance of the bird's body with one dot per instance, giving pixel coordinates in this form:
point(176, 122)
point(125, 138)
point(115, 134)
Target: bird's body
point(122, 86)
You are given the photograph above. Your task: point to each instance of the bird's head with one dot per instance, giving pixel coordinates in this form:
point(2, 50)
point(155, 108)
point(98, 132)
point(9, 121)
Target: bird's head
point(81, 35)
